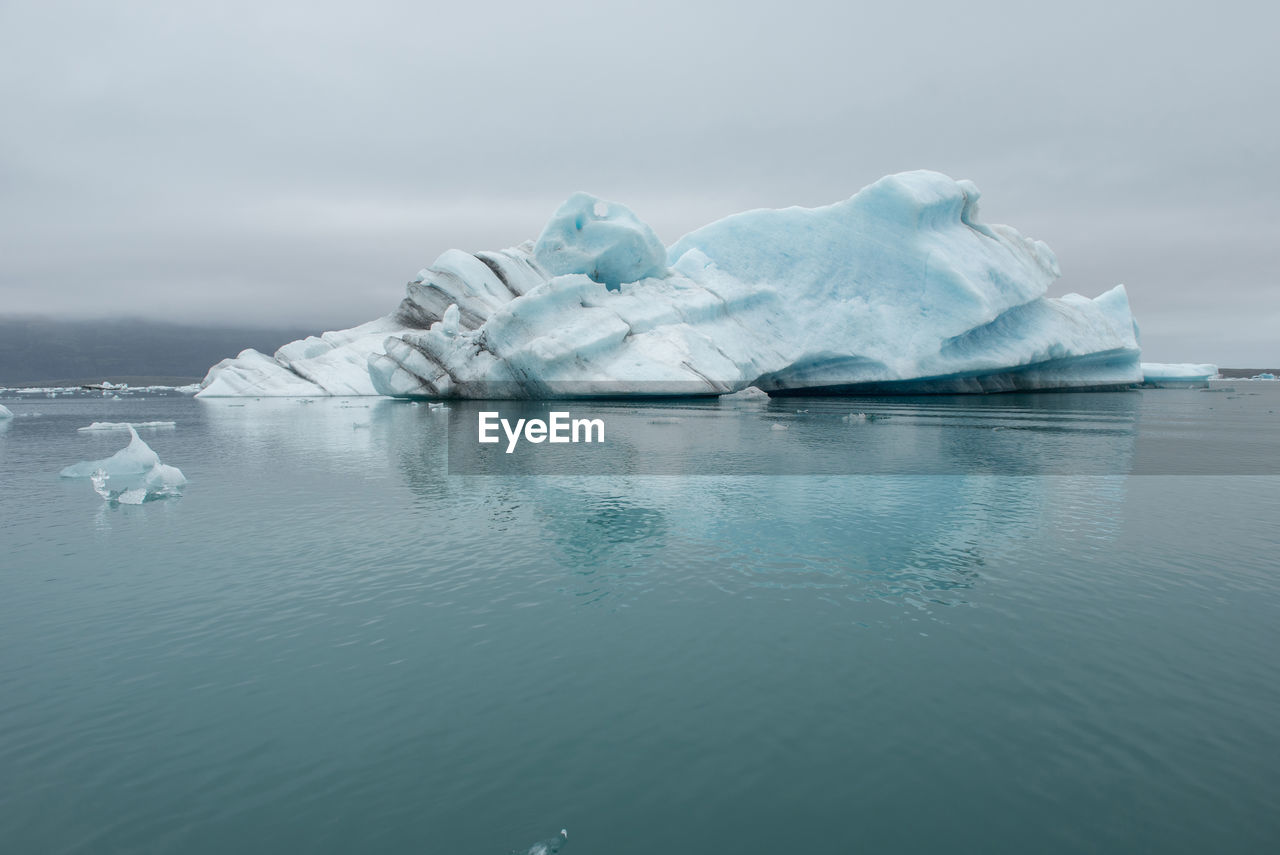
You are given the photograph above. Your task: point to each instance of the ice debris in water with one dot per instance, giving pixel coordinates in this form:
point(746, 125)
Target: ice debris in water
point(96, 426)
point(545, 847)
point(131, 476)
point(132, 496)
point(854, 418)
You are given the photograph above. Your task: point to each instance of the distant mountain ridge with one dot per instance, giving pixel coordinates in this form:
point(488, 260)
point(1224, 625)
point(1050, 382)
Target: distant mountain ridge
point(47, 351)
point(40, 350)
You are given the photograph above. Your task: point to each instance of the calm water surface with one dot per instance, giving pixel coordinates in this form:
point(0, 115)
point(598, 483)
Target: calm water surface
point(330, 644)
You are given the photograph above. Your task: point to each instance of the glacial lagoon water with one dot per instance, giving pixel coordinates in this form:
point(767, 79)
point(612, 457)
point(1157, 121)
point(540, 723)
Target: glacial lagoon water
point(1031, 633)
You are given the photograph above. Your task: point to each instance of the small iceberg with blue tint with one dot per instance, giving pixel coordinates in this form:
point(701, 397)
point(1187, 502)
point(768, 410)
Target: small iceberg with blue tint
point(549, 846)
point(1178, 373)
point(131, 476)
point(1265, 375)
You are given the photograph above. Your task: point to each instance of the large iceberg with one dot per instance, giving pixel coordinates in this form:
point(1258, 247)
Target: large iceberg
point(899, 289)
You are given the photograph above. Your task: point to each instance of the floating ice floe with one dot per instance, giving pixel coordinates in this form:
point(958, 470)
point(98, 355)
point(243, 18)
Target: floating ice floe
point(1266, 375)
point(96, 389)
point(1178, 373)
point(545, 847)
point(103, 426)
point(899, 289)
point(132, 475)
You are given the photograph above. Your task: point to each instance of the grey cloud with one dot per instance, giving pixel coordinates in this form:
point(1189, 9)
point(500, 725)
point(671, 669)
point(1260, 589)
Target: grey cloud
point(298, 163)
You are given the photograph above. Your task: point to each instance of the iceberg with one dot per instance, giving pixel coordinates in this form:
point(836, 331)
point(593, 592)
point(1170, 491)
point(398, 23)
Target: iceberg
point(1177, 373)
point(1265, 375)
point(4, 412)
point(900, 289)
point(132, 475)
point(333, 363)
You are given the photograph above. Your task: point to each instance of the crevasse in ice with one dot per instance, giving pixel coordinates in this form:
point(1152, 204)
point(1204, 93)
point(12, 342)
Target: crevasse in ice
point(900, 288)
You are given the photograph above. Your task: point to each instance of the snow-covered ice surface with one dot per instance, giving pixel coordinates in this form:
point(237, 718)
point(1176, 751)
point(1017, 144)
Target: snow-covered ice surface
point(1178, 372)
point(899, 289)
point(132, 475)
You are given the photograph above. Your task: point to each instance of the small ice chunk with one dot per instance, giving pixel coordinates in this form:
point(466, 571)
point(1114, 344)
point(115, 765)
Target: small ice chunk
point(751, 393)
point(545, 847)
point(854, 418)
point(776, 426)
point(748, 397)
point(99, 477)
point(132, 475)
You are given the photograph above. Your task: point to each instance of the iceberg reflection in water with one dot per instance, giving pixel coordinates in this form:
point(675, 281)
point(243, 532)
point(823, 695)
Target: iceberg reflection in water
point(922, 538)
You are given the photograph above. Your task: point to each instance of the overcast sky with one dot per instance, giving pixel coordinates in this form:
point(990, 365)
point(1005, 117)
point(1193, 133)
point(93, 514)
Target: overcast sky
point(297, 163)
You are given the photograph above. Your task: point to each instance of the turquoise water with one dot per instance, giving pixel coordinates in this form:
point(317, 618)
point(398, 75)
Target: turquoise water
point(331, 644)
